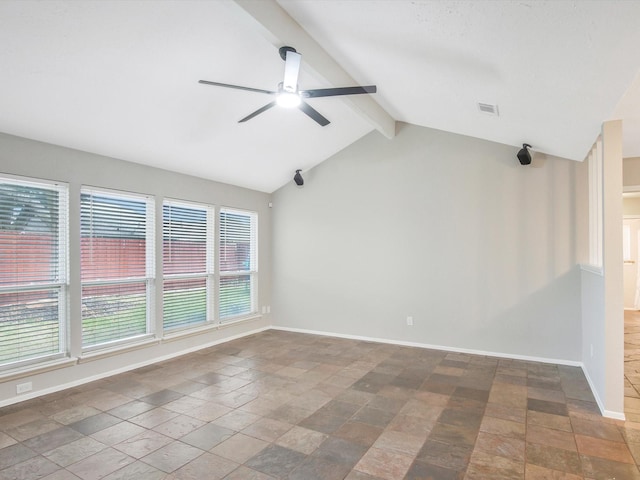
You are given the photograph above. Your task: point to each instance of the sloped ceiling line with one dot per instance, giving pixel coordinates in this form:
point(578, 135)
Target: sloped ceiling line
point(280, 29)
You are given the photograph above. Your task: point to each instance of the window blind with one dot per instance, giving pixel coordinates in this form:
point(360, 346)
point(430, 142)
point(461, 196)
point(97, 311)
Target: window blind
point(185, 302)
point(117, 263)
point(237, 263)
point(33, 270)
point(187, 260)
point(236, 296)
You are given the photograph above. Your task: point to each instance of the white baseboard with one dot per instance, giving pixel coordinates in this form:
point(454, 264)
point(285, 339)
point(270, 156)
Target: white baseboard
point(100, 376)
point(594, 391)
point(403, 343)
point(571, 363)
point(38, 393)
point(614, 415)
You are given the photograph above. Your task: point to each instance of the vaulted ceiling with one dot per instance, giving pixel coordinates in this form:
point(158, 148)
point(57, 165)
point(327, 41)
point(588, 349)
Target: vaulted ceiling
point(121, 78)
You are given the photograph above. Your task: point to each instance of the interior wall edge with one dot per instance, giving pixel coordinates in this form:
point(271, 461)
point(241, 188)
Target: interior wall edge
point(605, 413)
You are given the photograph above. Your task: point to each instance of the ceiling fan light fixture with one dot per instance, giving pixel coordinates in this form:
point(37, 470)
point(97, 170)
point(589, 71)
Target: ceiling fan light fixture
point(288, 99)
point(289, 96)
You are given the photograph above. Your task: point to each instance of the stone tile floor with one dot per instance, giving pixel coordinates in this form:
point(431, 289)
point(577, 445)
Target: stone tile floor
point(632, 365)
point(280, 405)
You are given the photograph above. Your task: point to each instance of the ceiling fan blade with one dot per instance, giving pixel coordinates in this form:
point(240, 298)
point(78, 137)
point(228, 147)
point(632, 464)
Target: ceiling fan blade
point(238, 87)
point(257, 112)
point(314, 114)
point(333, 92)
point(291, 72)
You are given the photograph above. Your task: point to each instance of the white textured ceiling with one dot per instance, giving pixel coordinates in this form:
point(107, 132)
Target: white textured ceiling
point(120, 78)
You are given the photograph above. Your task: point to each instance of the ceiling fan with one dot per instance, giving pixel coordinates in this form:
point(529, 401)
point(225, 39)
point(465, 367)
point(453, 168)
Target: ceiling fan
point(288, 94)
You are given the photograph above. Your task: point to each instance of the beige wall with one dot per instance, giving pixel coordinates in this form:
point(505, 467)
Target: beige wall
point(631, 206)
point(631, 171)
point(612, 397)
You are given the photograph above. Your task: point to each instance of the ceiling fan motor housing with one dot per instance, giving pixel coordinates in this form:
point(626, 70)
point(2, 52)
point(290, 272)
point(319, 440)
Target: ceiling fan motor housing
point(283, 52)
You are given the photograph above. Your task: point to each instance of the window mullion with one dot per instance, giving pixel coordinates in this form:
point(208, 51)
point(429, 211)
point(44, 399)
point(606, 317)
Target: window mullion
point(214, 279)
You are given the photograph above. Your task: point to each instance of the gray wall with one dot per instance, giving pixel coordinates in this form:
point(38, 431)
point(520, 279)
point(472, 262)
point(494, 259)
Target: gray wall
point(449, 229)
point(631, 178)
point(631, 171)
point(24, 157)
point(631, 206)
point(594, 334)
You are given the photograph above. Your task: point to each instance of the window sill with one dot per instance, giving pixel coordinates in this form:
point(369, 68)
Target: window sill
point(597, 270)
point(110, 352)
point(35, 369)
point(188, 332)
point(172, 337)
point(235, 321)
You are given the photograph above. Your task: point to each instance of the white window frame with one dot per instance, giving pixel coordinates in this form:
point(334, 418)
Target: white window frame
point(209, 275)
point(148, 279)
point(61, 284)
point(626, 243)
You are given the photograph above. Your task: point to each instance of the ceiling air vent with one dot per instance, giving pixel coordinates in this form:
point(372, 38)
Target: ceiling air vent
point(488, 108)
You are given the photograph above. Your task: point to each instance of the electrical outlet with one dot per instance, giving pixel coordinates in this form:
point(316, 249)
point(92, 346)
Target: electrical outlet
point(410, 321)
point(264, 309)
point(268, 308)
point(24, 387)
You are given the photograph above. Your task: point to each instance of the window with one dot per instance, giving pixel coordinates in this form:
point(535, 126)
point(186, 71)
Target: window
point(626, 243)
point(187, 264)
point(238, 263)
point(117, 266)
point(33, 271)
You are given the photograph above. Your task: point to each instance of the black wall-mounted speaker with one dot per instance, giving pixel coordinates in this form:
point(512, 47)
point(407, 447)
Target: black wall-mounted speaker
point(523, 155)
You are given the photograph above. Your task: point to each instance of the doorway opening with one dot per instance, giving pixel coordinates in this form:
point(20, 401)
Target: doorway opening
point(631, 282)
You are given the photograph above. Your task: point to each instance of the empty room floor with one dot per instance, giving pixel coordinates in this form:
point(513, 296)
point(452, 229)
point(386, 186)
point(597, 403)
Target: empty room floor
point(281, 405)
